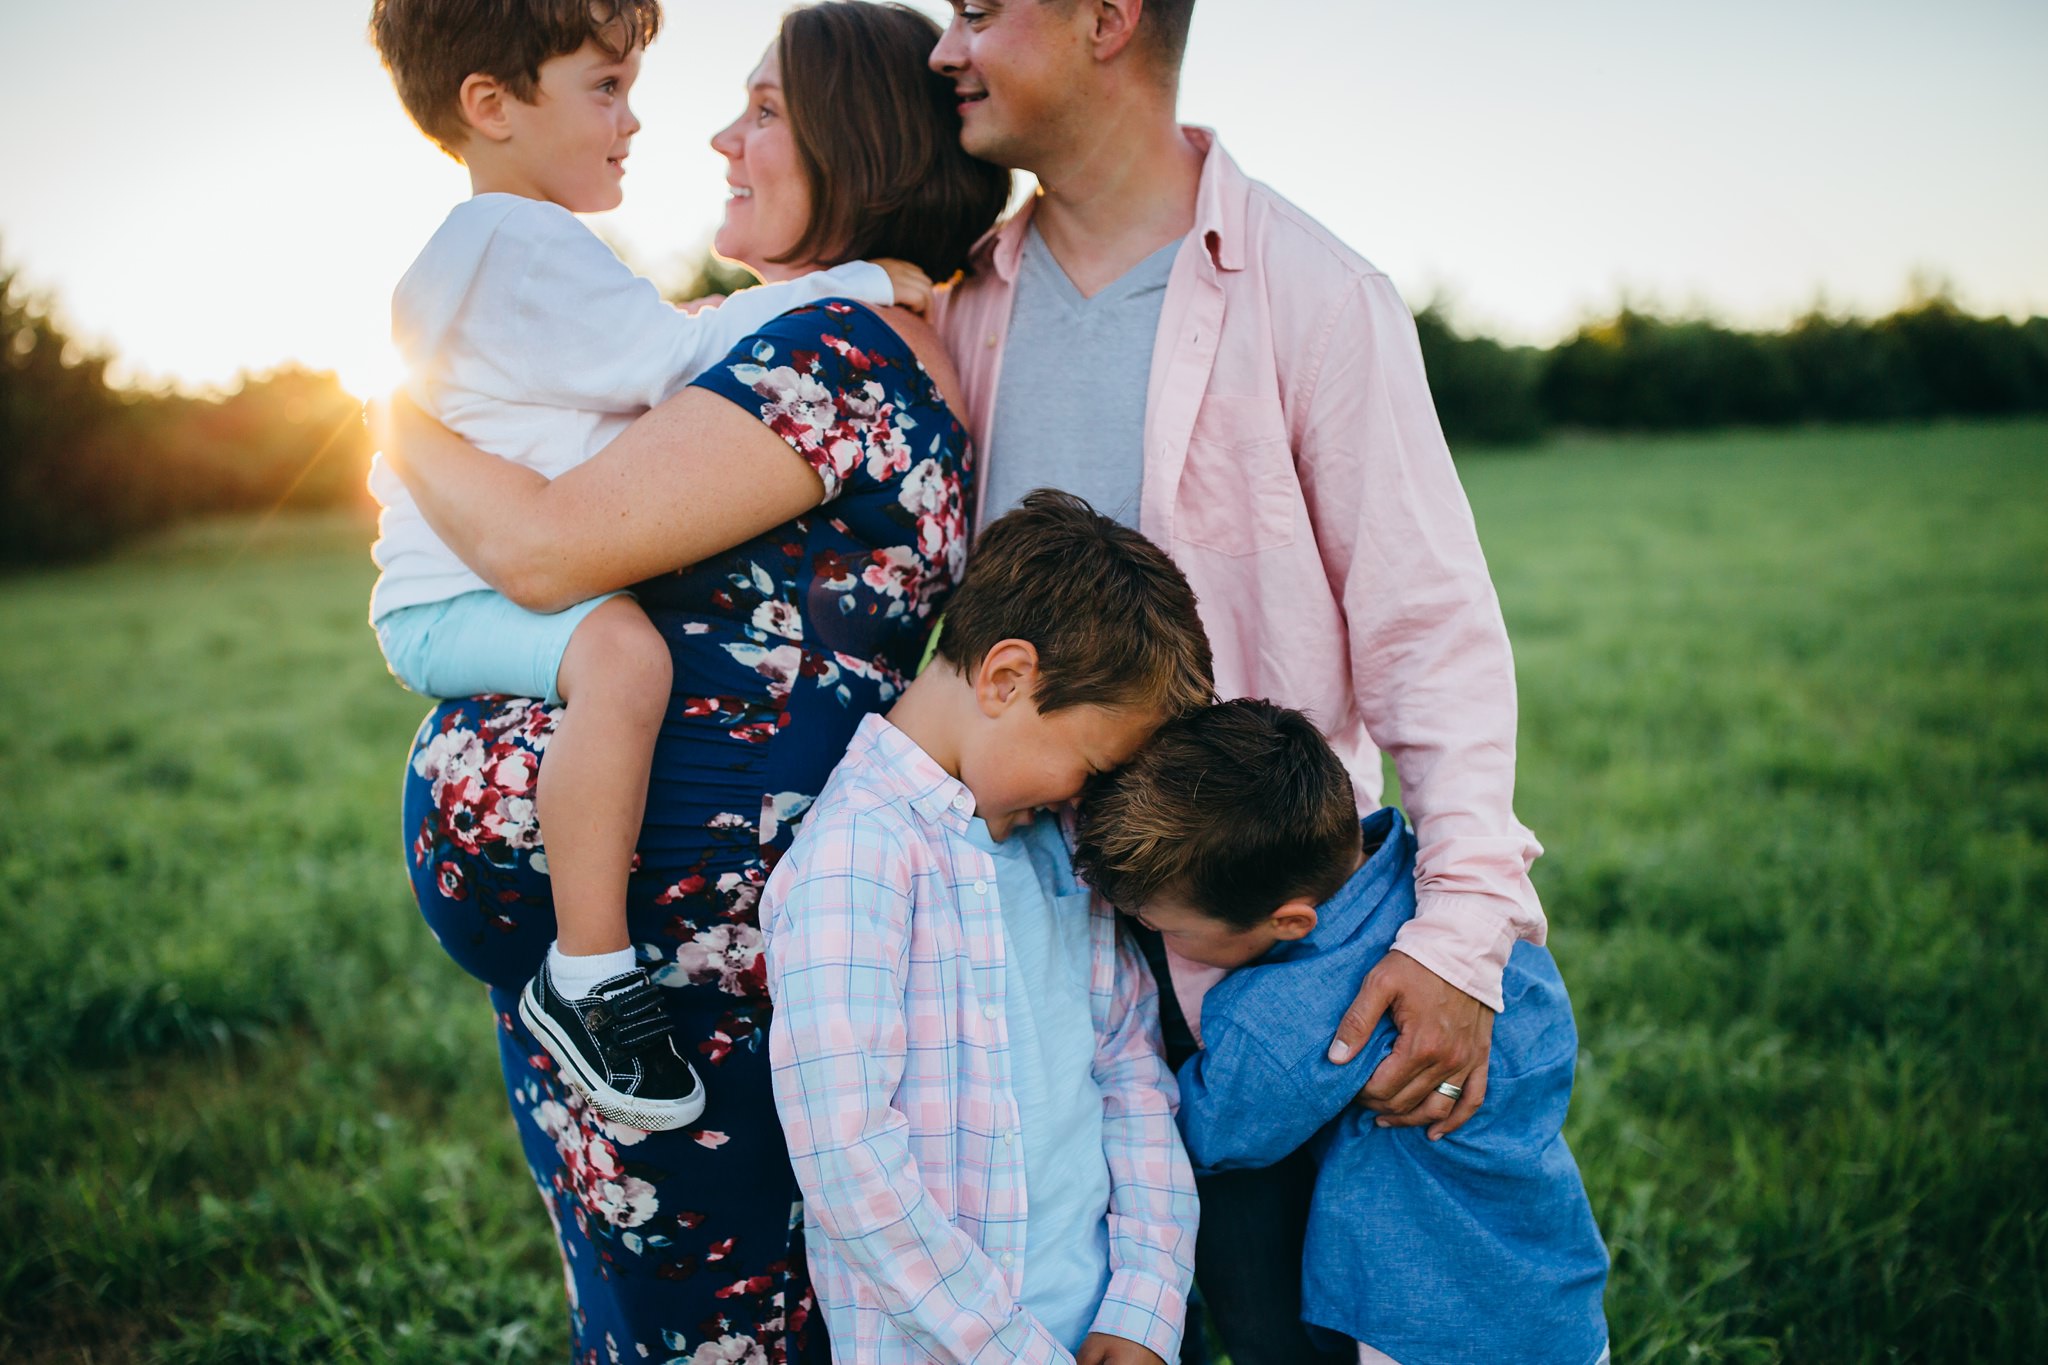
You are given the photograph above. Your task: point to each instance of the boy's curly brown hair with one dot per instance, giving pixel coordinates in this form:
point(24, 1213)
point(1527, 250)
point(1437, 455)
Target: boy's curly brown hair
point(432, 46)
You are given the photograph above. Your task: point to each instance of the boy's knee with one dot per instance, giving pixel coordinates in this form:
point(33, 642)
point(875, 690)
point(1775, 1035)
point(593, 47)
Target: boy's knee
point(616, 649)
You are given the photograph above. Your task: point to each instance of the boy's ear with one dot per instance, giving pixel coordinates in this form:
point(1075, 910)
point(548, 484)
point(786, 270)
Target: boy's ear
point(482, 102)
point(1007, 673)
point(1294, 920)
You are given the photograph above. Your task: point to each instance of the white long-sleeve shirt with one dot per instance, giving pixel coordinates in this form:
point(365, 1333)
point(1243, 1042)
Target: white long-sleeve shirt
point(528, 338)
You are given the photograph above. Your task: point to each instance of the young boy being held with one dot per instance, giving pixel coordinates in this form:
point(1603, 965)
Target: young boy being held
point(966, 1050)
point(1236, 836)
point(527, 336)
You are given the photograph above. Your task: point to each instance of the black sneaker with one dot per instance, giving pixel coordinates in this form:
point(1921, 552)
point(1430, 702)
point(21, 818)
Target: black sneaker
point(617, 1047)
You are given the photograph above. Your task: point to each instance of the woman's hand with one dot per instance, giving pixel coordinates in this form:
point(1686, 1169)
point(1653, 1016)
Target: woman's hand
point(689, 479)
point(1103, 1349)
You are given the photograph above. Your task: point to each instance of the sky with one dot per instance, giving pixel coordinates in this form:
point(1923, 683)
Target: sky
point(224, 185)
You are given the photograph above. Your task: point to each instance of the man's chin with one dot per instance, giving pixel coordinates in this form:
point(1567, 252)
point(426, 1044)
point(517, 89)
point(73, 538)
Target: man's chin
point(989, 143)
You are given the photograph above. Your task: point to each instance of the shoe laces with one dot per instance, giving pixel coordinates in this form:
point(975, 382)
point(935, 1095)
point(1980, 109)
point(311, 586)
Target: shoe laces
point(636, 1019)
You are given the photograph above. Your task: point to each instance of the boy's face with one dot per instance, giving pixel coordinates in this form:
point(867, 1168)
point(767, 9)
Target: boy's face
point(569, 146)
point(1219, 943)
point(1026, 758)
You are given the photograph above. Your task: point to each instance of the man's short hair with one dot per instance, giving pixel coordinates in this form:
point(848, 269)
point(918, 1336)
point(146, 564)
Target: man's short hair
point(432, 46)
point(1162, 31)
point(1112, 619)
point(1231, 811)
point(878, 134)
point(1163, 25)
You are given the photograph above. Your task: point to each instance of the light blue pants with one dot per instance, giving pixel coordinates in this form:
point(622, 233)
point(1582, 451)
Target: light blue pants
point(480, 644)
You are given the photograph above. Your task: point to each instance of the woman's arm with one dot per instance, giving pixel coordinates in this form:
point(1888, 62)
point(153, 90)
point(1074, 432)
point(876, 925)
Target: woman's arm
point(690, 478)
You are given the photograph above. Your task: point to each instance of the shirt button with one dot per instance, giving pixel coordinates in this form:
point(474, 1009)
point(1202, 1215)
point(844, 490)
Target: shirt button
point(988, 1011)
point(1010, 1138)
point(991, 339)
point(1008, 1260)
point(980, 887)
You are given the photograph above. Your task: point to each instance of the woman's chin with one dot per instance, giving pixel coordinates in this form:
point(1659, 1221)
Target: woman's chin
point(733, 247)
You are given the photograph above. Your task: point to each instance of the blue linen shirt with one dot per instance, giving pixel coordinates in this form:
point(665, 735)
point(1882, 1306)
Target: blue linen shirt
point(1046, 929)
point(1480, 1247)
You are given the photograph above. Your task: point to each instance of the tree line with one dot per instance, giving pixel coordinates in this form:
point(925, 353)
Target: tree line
point(1637, 371)
point(85, 465)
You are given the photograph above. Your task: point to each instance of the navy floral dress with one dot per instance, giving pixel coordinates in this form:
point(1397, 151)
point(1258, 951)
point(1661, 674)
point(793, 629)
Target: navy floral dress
point(688, 1245)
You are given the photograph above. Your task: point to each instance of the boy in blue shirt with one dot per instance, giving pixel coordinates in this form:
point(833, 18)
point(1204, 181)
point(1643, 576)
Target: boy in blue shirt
point(1235, 835)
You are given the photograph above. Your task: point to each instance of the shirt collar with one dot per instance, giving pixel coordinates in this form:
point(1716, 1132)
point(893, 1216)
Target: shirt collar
point(904, 769)
point(1219, 213)
point(1360, 898)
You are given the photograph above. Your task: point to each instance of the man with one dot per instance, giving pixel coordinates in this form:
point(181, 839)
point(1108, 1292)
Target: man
point(1196, 357)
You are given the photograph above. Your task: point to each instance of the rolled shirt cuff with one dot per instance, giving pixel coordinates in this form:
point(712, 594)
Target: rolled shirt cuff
point(1145, 1309)
point(1464, 939)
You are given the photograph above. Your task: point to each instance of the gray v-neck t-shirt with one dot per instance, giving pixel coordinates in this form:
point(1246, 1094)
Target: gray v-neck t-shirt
point(1070, 408)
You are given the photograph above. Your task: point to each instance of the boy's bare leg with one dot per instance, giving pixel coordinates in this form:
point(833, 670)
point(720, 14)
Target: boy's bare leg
point(615, 679)
point(600, 1016)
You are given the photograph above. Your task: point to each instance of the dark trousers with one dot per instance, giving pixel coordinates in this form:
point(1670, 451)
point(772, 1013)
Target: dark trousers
point(1248, 1256)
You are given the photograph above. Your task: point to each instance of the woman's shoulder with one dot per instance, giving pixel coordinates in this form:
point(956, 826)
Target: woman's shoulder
point(922, 340)
point(862, 338)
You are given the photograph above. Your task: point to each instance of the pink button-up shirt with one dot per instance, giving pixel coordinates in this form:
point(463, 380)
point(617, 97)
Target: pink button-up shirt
point(890, 1052)
point(1295, 470)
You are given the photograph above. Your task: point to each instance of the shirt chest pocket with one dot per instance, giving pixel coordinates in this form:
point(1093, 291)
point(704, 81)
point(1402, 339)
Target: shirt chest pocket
point(1238, 493)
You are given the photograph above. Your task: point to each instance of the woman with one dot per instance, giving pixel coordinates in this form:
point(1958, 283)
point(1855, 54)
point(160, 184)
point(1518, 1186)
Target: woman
point(791, 523)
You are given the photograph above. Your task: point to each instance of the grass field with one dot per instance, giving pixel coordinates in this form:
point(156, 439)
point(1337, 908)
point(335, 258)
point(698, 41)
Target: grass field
point(1784, 734)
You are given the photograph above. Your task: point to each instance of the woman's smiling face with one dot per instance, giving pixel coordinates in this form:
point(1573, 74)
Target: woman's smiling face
point(771, 199)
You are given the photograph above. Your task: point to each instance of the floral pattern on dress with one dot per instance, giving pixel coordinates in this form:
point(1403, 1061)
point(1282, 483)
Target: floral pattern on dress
point(688, 1245)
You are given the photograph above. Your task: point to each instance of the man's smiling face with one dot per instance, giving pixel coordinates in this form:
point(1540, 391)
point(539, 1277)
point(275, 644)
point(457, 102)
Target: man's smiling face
point(1015, 66)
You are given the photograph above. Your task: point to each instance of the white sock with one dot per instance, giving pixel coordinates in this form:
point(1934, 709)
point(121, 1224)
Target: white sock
point(577, 975)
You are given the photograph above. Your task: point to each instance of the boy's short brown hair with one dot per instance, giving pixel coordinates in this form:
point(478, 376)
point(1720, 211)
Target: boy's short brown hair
point(1231, 811)
point(878, 134)
point(432, 46)
point(1112, 619)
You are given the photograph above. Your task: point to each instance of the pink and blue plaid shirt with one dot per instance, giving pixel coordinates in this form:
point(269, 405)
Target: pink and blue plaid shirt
point(890, 1052)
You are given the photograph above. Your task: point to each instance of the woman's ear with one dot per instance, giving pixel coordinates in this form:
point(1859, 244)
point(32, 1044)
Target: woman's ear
point(481, 102)
point(1295, 920)
point(1006, 674)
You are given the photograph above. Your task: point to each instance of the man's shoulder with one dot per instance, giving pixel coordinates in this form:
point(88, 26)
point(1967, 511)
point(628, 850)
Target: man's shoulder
point(1289, 241)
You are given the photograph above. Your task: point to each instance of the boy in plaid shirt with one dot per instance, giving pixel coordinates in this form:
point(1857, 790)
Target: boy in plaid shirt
point(966, 1051)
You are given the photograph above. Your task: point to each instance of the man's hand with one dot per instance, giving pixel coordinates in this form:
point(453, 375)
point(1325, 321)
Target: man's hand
point(913, 286)
point(1103, 1349)
point(1445, 1035)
